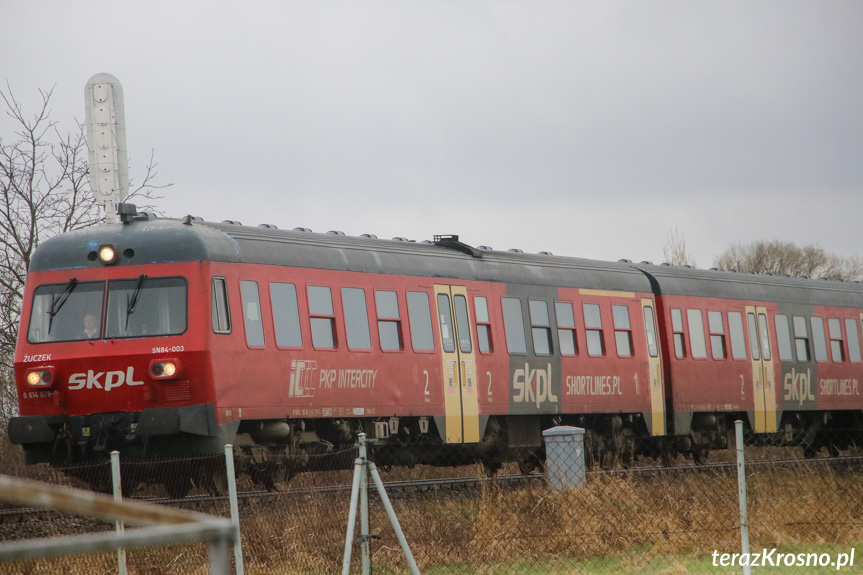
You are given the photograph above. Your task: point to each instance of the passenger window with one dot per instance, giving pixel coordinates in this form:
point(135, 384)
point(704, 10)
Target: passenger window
point(717, 334)
point(765, 337)
point(286, 314)
point(818, 340)
point(540, 327)
point(221, 313)
point(677, 329)
point(836, 349)
point(853, 340)
point(650, 331)
point(419, 315)
point(463, 323)
point(696, 333)
point(252, 313)
point(389, 320)
point(483, 325)
point(446, 330)
point(783, 337)
point(513, 324)
point(321, 317)
point(622, 330)
point(753, 336)
point(593, 330)
point(801, 339)
point(356, 318)
point(565, 327)
point(738, 341)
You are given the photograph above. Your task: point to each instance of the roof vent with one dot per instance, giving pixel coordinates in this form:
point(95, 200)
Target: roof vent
point(485, 248)
point(268, 226)
point(369, 236)
point(546, 254)
point(400, 239)
point(515, 251)
point(336, 233)
point(645, 263)
point(624, 261)
point(232, 222)
point(307, 230)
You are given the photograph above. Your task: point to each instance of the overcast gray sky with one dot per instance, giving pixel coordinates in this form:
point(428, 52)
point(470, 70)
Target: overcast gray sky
point(583, 128)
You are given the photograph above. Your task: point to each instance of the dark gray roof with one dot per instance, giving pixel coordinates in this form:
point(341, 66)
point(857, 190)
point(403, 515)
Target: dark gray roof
point(168, 240)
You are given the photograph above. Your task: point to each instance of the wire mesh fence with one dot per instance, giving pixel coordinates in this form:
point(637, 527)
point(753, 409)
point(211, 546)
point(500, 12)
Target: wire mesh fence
point(805, 516)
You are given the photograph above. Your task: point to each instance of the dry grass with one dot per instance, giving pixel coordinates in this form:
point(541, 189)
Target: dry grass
point(630, 521)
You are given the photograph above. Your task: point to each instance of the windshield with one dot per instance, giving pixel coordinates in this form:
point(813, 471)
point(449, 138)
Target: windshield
point(66, 312)
point(146, 306)
point(136, 307)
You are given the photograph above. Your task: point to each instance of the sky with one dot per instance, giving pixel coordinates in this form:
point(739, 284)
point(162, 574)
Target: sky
point(591, 129)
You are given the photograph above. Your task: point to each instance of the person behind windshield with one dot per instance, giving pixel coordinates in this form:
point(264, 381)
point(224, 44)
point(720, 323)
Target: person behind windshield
point(91, 326)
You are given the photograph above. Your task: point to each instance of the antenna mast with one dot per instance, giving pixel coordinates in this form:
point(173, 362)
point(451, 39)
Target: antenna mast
point(106, 142)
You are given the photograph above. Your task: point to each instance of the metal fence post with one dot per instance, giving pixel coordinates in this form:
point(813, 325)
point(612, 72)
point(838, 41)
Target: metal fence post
point(364, 510)
point(235, 509)
point(118, 497)
point(741, 493)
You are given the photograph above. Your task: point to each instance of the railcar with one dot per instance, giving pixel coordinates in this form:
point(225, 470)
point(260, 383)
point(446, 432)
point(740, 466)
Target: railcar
point(166, 337)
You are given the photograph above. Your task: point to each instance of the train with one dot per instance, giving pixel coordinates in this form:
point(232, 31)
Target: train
point(162, 337)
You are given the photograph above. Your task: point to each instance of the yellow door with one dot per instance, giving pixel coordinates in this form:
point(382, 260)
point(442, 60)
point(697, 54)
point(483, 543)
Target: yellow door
point(763, 384)
point(657, 396)
point(459, 364)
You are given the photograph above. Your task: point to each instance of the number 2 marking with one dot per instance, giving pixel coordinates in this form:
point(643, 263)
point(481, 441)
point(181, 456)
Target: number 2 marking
point(489, 383)
point(425, 371)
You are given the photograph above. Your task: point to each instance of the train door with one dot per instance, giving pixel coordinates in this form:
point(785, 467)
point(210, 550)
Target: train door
point(459, 364)
point(763, 385)
point(656, 421)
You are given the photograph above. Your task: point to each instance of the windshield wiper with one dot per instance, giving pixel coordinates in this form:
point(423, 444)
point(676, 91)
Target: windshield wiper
point(132, 300)
point(58, 300)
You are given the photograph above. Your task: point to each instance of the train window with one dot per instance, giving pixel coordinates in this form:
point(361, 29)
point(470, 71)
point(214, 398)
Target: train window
point(483, 324)
point(146, 306)
point(622, 330)
point(286, 314)
point(677, 329)
point(446, 330)
point(463, 323)
point(717, 334)
point(650, 330)
point(322, 319)
point(593, 329)
point(753, 336)
point(356, 318)
point(540, 327)
point(765, 337)
point(783, 337)
point(565, 327)
point(221, 313)
point(818, 341)
point(735, 329)
point(61, 312)
point(252, 313)
point(835, 330)
point(419, 313)
point(697, 344)
point(389, 320)
point(853, 340)
point(801, 339)
point(513, 325)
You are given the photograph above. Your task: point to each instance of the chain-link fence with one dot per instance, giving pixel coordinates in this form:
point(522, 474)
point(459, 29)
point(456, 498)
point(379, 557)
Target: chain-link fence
point(805, 516)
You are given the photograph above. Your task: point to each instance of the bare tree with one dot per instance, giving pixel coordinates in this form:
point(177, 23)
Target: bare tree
point(786, 258)
point(675, 250)
point(44, 191)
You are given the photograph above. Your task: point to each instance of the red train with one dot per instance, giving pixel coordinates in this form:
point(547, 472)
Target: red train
point(162, 337)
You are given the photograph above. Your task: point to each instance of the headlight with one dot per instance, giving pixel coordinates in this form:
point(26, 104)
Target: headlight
point(40, 377)
point(164, 368)
point(107, 255)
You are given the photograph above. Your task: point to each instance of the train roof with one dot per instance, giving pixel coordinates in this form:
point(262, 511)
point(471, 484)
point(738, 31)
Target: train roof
point(685, 281)
point(146, 240)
